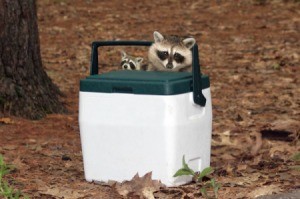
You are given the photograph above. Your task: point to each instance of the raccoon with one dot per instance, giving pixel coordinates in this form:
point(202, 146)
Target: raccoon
point(170, 53)
point(130, 62)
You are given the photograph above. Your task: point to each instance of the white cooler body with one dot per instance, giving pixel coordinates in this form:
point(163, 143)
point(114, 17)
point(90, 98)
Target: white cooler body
point(125, 134)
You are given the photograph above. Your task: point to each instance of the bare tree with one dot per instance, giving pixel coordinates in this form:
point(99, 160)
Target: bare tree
point(25, 88)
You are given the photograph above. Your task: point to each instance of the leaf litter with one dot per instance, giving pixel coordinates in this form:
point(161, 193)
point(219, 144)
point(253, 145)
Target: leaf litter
point(251, 54)
point(140, 187)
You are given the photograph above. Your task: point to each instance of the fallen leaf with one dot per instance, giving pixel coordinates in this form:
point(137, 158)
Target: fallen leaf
point(247, 179)
point(6, 120)
point(170, 193)
point(242, 167)
point(288, 195)
point(264, 190)
point(9, 147)
point(281, 150)
point(258, 144)
point(139, 186)
point(18, 163)
point(224, 139)
point(62, 192)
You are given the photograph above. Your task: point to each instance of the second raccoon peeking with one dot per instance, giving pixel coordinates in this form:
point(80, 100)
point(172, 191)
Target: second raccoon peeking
point(167, 53)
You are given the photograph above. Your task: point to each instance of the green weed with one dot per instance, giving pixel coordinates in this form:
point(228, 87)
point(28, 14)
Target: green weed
point(198, 176)
point(212, 184)
point(296, 159)
point(7, 191)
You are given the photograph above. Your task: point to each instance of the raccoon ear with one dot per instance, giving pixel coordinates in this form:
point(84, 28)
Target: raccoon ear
point(189, 42)
point(139, 59)
point(123, 54)
point(157, 37)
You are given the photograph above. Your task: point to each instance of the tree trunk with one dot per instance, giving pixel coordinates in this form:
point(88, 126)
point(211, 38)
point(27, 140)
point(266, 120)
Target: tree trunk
point(25, 88)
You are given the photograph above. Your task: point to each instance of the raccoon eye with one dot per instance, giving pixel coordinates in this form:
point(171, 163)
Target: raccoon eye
point(123, 62)
point(162, 54)
point(132, 66)
point(178, 58)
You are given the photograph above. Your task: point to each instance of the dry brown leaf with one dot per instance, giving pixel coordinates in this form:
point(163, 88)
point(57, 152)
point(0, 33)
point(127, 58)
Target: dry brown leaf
point(170, 193)
point(287, 195)
point(6, 120)
point(10, 147)
point(224, 139)
point(247, 179)
point(257, 159)
point(227, 156)
point(258, 144)
point(62, 192)
point(282, 149)
point(113, 193)
point(264, 190)
point(18, 163)
point(242, 167)
point(139, 186)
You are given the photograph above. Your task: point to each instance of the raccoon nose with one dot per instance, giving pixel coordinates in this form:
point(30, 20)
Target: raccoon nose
point(125, 66)
point(169, 65)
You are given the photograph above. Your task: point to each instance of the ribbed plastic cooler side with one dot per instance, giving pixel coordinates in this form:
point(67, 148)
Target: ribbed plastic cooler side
point(143, 133)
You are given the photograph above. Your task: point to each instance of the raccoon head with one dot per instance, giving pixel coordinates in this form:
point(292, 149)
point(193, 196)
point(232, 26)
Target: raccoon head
point(129, 62)
point(171, 53)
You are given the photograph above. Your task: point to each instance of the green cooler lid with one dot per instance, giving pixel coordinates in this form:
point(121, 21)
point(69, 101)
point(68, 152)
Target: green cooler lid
point(141, 82)
point(145, 82)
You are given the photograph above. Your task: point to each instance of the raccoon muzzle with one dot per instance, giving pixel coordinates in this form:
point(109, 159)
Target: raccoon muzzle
point(169, 65)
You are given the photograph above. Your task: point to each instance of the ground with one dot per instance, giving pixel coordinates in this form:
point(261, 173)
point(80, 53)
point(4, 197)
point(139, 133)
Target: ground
point(250, 49)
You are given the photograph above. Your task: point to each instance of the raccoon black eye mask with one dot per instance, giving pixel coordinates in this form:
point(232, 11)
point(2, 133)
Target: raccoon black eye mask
point(126, 63)
point(123, 62)
point(132, 66)
point(163, 55)
point(178, 58)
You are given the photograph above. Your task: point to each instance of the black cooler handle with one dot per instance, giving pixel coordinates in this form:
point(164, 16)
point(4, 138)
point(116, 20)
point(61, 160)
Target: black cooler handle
point(197, 80)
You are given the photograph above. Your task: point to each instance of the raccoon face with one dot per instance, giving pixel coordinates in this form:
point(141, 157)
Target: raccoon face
point(130, 63)
point(171, 52)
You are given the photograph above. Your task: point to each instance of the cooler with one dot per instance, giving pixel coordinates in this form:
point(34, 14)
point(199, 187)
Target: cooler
point(144, 121)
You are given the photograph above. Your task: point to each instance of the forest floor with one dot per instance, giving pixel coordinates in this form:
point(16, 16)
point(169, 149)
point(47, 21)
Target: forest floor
point(250, 49)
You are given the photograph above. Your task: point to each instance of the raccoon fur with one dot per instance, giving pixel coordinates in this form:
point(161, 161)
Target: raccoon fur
point(129, 62)
point(170, 53)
